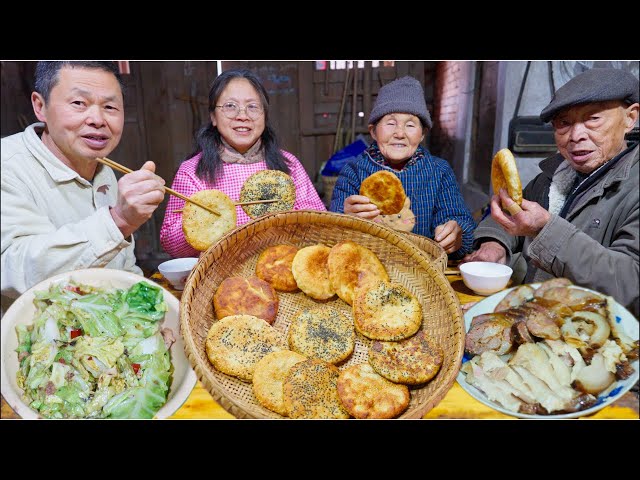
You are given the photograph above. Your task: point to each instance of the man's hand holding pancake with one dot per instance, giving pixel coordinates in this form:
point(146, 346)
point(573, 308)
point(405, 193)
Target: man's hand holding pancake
point(527, 222)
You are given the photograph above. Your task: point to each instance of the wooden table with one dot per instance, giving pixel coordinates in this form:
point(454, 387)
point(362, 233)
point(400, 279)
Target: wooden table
point(457, 403)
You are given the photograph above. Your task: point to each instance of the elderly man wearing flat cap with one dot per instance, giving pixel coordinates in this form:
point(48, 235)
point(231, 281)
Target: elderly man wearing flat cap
point(579, 217)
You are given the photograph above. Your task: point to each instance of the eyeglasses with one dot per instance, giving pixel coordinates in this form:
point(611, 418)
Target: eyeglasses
point(232, 110)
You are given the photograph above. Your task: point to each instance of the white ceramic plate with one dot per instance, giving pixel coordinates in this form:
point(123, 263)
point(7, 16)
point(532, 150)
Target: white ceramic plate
point(623, 317)
point(23, 310)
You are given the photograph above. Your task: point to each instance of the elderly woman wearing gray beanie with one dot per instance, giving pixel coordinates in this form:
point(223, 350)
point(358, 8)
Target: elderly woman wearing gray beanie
point(398, 124)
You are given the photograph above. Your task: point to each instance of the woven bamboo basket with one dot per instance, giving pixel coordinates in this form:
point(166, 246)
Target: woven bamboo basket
point(236, 254)
point(432, 248)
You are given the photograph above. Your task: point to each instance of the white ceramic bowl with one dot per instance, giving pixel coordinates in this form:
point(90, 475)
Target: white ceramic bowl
point(177, 271)
point(23, 310)
point(485, 278)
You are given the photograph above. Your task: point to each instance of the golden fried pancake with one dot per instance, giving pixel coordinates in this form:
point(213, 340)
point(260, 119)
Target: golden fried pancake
point(411, 361)
point(365, 394)
point(268, 185)
point(268, 377)
point(352, 266)
point(386, 311)
point(202, 228)
point(274, 266)
point(322, 332)
point(310, 390)
point(504, 174)
point(311, 271)
point(385, 190)
point(235, 344)
point(246, 296)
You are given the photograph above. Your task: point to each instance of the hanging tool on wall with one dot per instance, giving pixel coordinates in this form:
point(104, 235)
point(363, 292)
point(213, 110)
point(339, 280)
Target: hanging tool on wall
point(341, 111)
point(354, 101)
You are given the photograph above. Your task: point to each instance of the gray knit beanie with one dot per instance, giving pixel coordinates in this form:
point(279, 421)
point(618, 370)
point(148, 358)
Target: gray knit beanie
point(404, 95)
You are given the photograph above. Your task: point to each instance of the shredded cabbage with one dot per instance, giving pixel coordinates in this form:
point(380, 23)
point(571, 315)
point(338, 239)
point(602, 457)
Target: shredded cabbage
point(95, 353)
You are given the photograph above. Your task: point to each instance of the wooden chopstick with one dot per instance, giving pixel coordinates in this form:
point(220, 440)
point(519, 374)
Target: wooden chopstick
point(123, 169)
point(452, 271)
point(242, 203)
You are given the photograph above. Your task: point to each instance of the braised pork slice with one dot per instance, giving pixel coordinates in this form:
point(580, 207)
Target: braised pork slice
point(554, 282)
point(491, 335)
point(577, 299)
point(540, 322)
point(521, 333)
point(558, 311)
point(515, 298)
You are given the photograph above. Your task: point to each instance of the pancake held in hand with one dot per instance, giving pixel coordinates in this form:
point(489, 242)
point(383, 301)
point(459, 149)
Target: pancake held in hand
point(202, 228)
point(268, 378)
point(411, 361)
point(322, 332)
point(385, 190)
point(274, 266)
point(310, 390)
point(237, 343)
point(249, 296)
point(366, 394)
point(504, 174)
point(352, 266)
point(386, 311)
point(268, 185)
point(311, 271)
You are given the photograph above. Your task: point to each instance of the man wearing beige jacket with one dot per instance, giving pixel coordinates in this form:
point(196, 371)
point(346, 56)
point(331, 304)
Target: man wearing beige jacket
point(61, 209)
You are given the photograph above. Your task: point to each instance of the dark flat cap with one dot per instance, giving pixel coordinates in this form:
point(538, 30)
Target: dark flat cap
point(595, 85)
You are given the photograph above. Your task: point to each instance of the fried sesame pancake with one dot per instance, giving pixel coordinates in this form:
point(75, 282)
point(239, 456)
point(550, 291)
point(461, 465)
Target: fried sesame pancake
point(411, 361)
point(311, 271)
point(322, 332)
point(237, 343)
point(268, 378)
point(310, 390)
point(353, 266)
point(387, 311)
point(366, 394)
point(202, 228)
point(268, 185)
point(274, 266)
point(385, 190)
point(249, 296)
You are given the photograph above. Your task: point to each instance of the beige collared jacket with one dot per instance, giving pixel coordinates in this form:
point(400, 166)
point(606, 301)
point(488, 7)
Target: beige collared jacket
point(53, 220)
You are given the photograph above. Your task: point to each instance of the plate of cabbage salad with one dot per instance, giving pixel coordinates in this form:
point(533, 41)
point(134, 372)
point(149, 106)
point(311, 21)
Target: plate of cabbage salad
point(96, 351)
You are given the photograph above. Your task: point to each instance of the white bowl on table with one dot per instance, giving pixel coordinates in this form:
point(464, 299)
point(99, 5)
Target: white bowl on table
point(485, 278)
point(23, 310)
point(177, 271)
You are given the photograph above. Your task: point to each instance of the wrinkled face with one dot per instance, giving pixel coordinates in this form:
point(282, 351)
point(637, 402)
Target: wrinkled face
point(84, 115)
point(398, 136)
point(241, 131)
point(591, 134)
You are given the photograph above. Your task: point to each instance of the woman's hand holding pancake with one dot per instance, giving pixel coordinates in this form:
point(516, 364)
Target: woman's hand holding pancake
point(526, 223)
point(360, 206)
point(449, 236)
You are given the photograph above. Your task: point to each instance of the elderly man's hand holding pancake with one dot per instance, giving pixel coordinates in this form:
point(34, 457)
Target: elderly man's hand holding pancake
point(526, 223)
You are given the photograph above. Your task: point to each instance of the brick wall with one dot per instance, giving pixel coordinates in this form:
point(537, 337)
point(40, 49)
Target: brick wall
point(445, 115)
